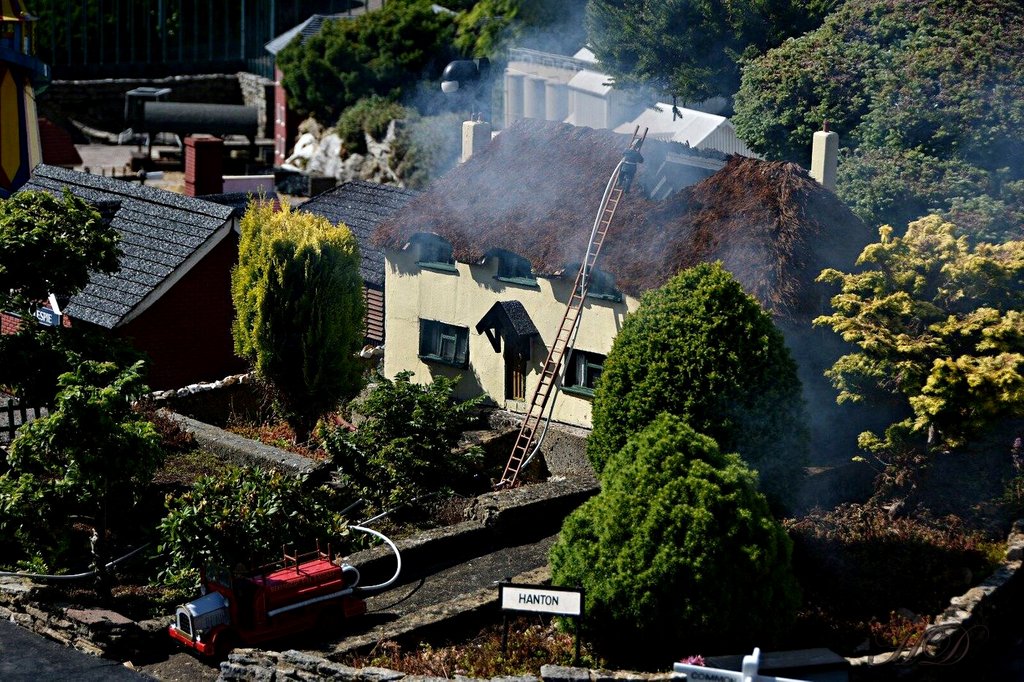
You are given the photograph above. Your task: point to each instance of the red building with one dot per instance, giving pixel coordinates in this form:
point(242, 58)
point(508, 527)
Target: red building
point(172, 296)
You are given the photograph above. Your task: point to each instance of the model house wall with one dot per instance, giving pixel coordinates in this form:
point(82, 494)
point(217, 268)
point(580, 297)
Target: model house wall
point(461, 297)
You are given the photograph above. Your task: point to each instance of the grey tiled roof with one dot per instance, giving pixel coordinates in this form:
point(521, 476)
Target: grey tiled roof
point(362, 206)
point(238, 201)
point(510, 318)
point(159, 231)
point(307, 29)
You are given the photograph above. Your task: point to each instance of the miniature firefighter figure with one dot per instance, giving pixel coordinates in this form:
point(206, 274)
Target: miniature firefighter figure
point(630, 158)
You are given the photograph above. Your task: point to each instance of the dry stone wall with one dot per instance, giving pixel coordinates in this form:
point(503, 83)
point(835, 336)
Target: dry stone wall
point(100, 103)
point(252, 664)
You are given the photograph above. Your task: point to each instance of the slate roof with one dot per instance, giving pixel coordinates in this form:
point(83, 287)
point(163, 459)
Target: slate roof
point(509, 316)
point(238, 201)
point(536, 188)
point(307, 29)
point(362, 206)
point(159, 231)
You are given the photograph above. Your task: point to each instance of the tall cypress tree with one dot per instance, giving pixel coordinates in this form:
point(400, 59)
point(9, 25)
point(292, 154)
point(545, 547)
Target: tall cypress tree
point(299, 310)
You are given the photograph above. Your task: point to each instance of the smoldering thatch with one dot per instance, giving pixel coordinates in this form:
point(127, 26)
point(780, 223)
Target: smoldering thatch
point(536, 189)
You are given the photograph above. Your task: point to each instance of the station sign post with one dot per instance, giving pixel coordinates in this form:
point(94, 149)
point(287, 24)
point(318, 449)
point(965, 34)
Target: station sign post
point(557, 601)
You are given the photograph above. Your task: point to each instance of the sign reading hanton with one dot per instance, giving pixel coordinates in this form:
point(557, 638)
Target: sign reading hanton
point(561, 601)
point(557, 601)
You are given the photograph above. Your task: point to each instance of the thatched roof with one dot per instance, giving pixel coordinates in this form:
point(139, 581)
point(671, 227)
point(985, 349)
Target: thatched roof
point(536, 189)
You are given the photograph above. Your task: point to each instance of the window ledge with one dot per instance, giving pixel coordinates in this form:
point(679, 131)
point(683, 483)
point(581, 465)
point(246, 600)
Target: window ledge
point(615, 298)
point(521, 281)
point(581, 391)
point(438, 266)
point(437, 359)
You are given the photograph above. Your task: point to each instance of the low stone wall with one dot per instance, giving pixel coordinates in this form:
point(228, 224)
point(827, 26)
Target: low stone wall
point(254, 664)
point(100, 103)
point(241, 450)
point(95, 631)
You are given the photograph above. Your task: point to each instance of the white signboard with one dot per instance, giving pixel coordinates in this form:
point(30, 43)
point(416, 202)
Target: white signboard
point(556, 600)
point(47, 317)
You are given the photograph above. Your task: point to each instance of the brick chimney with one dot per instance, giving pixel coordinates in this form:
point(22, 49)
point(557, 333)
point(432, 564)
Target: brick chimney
point(475, 136)
point(825, 157)
point(204, 166)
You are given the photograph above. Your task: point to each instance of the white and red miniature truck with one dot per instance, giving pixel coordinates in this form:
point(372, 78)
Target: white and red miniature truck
point(294, 595)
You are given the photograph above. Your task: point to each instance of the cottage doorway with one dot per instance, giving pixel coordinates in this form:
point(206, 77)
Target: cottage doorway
point(515, 371)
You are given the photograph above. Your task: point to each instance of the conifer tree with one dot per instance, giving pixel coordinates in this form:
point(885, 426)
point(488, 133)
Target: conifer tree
point(299, 309)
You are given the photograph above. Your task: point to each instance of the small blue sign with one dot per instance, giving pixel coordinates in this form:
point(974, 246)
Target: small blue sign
point(47, 317)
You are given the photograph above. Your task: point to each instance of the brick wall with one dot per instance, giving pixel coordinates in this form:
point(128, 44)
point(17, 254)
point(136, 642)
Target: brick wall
point(9, 323)
point(187, 332)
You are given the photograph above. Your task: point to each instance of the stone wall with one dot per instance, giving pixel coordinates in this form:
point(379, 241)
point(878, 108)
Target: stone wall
point(253, 664)
point(100, 103)
point(95, 631)
point(258, 92)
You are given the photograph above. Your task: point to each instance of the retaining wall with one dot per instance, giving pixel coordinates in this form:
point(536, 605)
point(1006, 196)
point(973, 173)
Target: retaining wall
point(100, 103)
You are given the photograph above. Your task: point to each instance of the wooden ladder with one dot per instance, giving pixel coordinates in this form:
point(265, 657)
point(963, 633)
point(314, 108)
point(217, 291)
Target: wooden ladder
point(530, 430)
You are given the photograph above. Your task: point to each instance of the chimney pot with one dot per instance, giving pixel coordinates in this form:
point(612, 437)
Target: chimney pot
point(204, 166)
point(825, 157)
point(475, 136)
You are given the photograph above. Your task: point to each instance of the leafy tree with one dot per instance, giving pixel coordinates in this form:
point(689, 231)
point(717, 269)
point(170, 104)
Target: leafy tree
point(407, 445)
point(491, 25)
point(901, 185)
point(678, 552)
point(299, 309)
point(938, 325)
point(383, 52)
point(49, 245)
point(369, 116)
point(33, 358)
point(704, 350)
point(91, 457)
point(244, 517)
point(690, 48)
point(904, 82)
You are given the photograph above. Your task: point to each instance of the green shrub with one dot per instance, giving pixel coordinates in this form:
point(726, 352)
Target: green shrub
point(243, 517)
point(895, 186)
point(369, 116)
point(702, 349)
point(678, 552)
point(90, 460)
point(383, 52)
point(406, 446)
point(299, 307)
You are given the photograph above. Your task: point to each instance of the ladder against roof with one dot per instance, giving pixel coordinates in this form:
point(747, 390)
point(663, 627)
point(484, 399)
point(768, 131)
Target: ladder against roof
point(530, 432)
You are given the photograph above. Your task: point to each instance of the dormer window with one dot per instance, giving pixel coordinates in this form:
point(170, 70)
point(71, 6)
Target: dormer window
point(602, 284)
point(513, 268)
point(432, 252)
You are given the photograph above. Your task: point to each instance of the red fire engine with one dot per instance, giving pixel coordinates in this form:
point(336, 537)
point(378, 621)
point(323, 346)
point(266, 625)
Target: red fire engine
point(275, 601)
point(291, 596)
